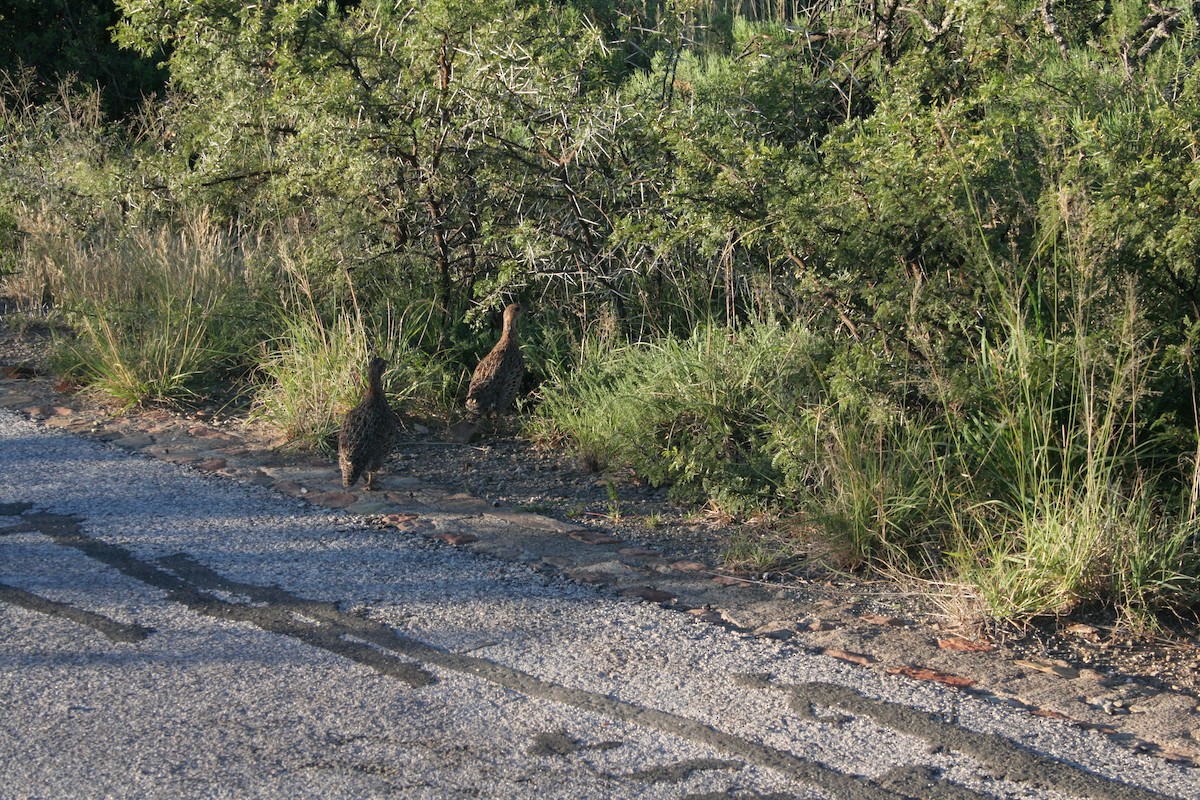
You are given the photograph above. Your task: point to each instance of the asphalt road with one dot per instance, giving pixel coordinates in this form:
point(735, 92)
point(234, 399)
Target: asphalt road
point(169, 634)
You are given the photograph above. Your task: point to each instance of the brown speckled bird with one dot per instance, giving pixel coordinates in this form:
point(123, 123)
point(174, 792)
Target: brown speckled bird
point(368, 431)
point(497, 378)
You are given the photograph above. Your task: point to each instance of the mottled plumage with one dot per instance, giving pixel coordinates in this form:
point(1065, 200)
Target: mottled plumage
point(368, 431)
point(497, 378)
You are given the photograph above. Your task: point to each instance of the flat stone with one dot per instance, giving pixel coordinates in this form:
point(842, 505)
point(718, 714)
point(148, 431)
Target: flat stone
point(463, 504)
point(406, 482)
point(593, 537)
point(400, 521)
point(861, 659)
point(927, 674)
point(1060, 668)
point(312, 476)
point(252, 475)
point(591, 576)
point(290, 487)
point(15, 400)
point(819, 625)
point(455, 538)
point(187, 457)
point(133, 441)
point(333, 499)
point(526, 519)
point(68, 423)
point(649, 594)
point(775, 630)
point(217, 438)
point(44, 411)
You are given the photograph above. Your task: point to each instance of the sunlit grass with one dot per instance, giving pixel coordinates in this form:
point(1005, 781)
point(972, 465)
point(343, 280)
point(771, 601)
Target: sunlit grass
point(153, 315)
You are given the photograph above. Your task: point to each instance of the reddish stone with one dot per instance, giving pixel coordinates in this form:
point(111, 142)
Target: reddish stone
point(861, 659)
point(456, 538)
point(649, 594)
point(819, 625)
point(926, 674)
point(1049, 714)
point(964, 645)
point(334, 499)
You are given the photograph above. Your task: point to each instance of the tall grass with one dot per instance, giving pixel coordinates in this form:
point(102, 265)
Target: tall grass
point(692, 413)
point(1053, 507)
point(312, 370)
point(1029, 495)
point(155, 314)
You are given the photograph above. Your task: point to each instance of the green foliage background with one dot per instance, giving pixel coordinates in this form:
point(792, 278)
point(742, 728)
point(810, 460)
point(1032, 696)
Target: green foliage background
point(974, 223)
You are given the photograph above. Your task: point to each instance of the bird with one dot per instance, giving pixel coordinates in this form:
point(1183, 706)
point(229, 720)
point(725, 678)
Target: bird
point(368, 431)
point(497, 377)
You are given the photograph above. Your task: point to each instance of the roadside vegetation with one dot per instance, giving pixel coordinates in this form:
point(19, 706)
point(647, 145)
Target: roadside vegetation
point(923, 278)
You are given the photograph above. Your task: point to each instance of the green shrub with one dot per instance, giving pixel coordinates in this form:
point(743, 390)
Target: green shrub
point(156, 315)
point(692, 413)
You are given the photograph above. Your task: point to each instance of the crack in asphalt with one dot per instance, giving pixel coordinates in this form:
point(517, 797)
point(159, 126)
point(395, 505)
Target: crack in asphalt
point(375, 645)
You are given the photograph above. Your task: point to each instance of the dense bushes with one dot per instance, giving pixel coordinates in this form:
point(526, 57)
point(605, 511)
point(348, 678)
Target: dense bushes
point(925, 273)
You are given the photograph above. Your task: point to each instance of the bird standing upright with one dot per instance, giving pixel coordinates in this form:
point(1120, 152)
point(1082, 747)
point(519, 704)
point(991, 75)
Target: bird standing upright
point(497, 378)
point(368, 431)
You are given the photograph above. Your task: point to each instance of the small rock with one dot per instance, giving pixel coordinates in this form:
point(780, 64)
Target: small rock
point(650, 595)
point(775, 630)
point(333, 499)
point(1082, 630)
point(456, 538)
point(861, 659)
point(926, 674)
point(593, 537)
point(1060, 668)
point(961, 645)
